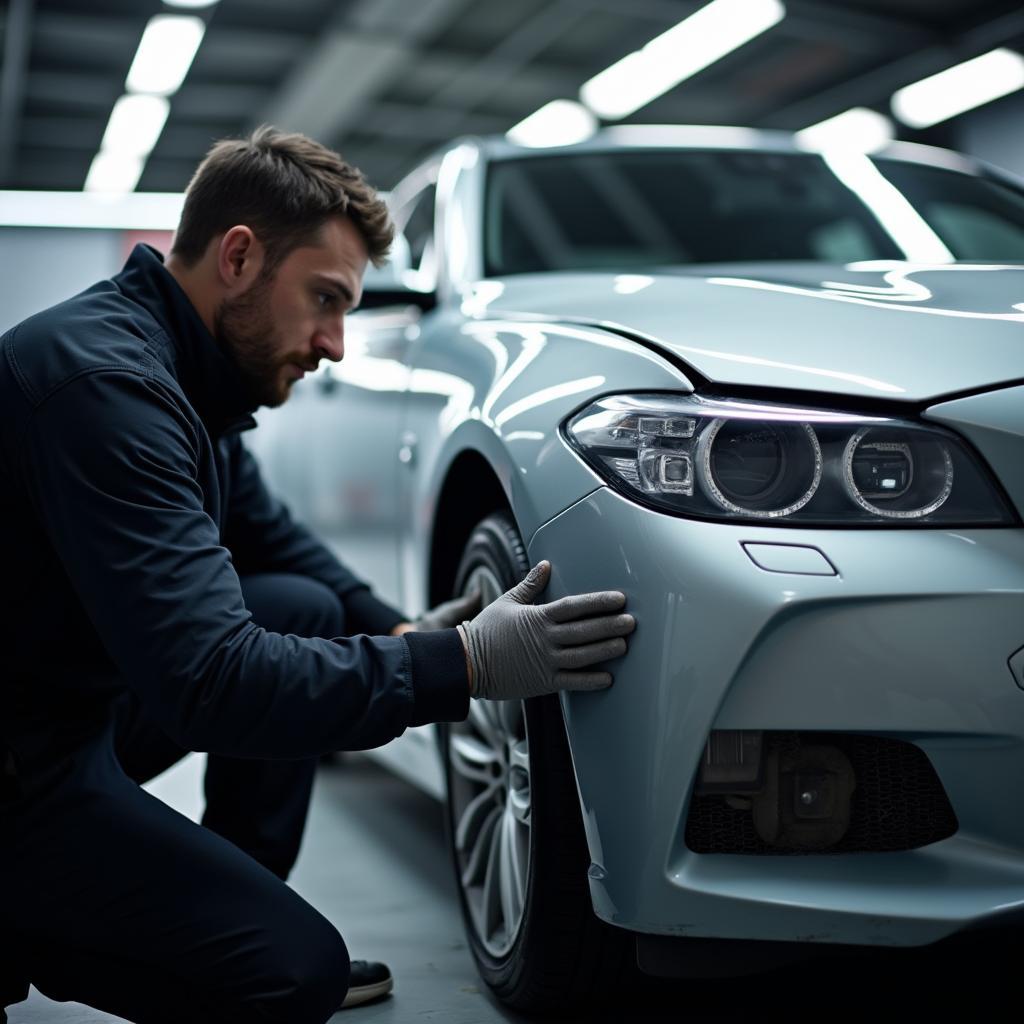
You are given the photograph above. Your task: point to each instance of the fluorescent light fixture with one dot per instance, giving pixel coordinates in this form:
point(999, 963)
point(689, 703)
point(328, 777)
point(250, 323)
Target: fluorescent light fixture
point(696, 135)
point(135, 124)
point(190, 5)
point(113, 172)
point(890, 207)
point(858, 129)
point(959, 88)
point(140, 211)
point(558, 123)
point(706, 36)
point(165, 54)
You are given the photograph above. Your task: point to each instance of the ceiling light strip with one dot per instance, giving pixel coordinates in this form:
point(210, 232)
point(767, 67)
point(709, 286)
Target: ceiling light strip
point(858, 128)
point(162, 60)
point(700, 40)
point(559, 123)
point(959, 88)
point(165, 54)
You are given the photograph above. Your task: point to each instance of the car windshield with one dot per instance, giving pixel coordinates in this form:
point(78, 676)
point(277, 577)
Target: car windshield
point(612, 211)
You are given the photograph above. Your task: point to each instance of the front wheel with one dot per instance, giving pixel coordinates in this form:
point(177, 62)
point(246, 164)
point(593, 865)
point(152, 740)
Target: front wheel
point(517, 838)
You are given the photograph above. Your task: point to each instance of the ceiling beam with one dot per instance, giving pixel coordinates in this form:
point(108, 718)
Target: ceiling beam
point(825, 21)
point(17, 34)
point(814, 19)
point(492, 71)
point(61, 133)
point(73, 91)
point(429, 123)
point(356, 57)
point(876, 86)
point(92, 34)
point(435, 70)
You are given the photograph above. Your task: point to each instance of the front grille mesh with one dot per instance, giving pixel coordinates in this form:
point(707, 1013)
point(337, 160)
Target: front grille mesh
point(899, 803)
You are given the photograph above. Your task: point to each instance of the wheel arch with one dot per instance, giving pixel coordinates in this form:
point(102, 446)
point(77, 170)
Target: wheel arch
point(472, 489)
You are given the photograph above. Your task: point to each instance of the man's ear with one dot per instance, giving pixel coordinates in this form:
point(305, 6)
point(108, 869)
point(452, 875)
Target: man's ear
point(239, 258)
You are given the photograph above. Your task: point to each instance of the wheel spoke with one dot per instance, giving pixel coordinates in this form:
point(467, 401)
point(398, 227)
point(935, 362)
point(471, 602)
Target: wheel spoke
point(481, 718)
point(519, 758)
point(519, 795)
point(473, 759)
point(493, 712)
point(480, 855)
point(491, 905)
point(513, 881)
point(472, 820)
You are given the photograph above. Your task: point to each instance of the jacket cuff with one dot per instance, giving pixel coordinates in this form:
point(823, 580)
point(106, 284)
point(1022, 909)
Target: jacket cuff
point(440, 682)
point(366, 613)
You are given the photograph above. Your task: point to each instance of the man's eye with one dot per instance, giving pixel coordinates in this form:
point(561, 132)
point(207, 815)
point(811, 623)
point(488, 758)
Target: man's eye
point(326, 299)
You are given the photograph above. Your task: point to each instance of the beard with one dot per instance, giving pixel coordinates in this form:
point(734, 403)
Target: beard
point(245, 330)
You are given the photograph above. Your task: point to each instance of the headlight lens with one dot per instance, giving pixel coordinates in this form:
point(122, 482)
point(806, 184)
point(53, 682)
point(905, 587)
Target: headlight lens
point(759, 468)
point(779, 465)
point(890, 477)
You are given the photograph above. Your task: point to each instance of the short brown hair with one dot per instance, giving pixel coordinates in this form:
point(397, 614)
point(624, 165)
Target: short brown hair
point(284, 186)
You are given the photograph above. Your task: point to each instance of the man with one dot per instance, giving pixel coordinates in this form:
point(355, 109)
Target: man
point(164, 602)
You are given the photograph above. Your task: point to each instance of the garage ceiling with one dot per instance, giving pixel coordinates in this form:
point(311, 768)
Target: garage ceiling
point(387, 81)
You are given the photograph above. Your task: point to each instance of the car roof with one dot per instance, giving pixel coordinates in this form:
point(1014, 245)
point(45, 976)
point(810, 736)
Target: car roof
point(724, 137)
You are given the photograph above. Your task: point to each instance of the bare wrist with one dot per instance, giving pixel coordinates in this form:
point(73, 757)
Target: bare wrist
point(465, 650)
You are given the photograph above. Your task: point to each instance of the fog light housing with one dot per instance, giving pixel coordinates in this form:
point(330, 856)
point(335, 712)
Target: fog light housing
point(807, 797)
point(732, 762)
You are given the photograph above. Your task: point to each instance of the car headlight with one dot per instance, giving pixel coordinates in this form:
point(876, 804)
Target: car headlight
point(770, 463)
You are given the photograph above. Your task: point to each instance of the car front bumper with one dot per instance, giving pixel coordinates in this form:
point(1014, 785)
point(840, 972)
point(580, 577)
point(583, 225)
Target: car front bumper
point(910, 639)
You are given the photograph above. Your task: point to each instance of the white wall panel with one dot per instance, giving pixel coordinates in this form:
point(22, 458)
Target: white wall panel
point(42, 266)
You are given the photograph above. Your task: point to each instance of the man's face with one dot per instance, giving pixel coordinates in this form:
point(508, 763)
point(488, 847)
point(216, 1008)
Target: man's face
point(284, 325)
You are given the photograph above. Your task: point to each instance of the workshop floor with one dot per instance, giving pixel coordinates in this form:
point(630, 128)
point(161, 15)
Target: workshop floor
point(375, 863)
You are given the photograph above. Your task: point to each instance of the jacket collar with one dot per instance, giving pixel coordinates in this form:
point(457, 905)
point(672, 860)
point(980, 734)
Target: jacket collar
point(207, 375)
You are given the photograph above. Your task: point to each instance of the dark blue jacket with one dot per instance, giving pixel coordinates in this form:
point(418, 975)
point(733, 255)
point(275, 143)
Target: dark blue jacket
point(129, 507)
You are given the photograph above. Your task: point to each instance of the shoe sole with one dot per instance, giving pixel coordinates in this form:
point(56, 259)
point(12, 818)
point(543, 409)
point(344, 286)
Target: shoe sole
point(366, 993)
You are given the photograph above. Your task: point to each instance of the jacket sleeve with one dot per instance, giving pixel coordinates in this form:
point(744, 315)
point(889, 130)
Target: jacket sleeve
point(263, 537)
point(113, 461)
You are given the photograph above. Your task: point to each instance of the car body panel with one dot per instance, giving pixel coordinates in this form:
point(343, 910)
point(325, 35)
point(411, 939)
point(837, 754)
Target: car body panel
point(878, 648)
point(890, 331)
point(495, 387)
point(994, 422)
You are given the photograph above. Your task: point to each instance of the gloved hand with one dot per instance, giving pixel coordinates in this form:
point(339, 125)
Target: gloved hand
point(450, 613)
point(517, 649)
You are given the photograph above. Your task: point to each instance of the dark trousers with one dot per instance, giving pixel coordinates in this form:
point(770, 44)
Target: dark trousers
point(110, 898)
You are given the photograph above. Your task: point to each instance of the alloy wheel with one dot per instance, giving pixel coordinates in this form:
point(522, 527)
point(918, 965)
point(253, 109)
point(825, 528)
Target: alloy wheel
point(489, 757)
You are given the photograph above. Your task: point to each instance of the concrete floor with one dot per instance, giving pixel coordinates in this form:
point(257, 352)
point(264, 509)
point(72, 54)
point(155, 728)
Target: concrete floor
point(375, 863)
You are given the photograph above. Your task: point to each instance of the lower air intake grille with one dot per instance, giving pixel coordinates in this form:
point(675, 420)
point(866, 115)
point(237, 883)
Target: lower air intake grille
point(898, 804)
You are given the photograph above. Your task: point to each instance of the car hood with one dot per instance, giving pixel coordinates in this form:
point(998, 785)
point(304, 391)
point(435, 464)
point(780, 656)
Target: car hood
point(894, 330)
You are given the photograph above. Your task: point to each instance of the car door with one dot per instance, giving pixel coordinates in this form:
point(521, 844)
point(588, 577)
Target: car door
point(331, 450)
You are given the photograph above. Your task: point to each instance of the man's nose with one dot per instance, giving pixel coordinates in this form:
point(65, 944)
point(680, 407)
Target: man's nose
point(329, 343)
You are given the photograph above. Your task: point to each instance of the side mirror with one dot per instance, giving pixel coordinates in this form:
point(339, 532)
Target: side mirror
point(393, 284)
point(379, 298)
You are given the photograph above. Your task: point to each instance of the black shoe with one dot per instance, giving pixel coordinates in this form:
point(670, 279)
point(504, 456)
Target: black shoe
point(368, 981)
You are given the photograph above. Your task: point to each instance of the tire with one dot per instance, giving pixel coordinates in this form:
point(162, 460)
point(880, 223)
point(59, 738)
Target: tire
point(511, 801)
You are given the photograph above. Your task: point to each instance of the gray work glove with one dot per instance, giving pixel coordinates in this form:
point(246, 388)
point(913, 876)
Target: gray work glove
point(519, 649)
point(449, 614)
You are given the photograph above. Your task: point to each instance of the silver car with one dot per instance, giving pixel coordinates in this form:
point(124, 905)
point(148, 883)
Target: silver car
point(775, 396)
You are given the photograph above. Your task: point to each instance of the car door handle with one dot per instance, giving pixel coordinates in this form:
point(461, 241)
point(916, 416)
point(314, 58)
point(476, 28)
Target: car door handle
point(407, 452)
